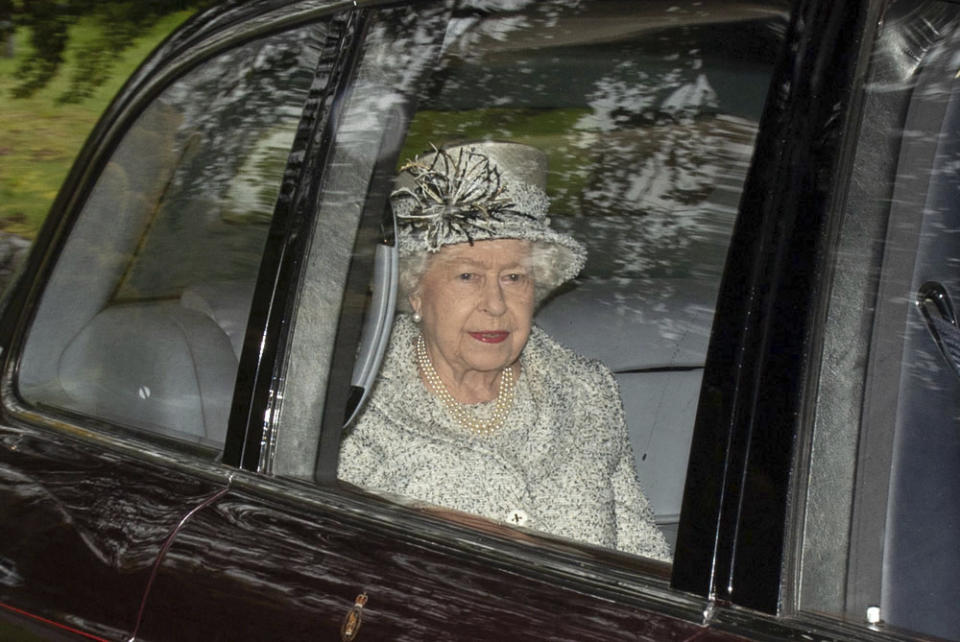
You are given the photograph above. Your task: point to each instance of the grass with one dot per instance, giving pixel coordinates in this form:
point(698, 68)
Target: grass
point(39, 138)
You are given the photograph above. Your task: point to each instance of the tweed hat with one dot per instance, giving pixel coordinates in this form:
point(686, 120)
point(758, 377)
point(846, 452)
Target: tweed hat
point(478, 192)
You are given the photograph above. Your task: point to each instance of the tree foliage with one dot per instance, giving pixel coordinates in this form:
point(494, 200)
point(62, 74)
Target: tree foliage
point(118, 23)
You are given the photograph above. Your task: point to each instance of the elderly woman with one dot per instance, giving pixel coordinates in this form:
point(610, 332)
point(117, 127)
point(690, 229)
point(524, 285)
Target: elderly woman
point(476, 409)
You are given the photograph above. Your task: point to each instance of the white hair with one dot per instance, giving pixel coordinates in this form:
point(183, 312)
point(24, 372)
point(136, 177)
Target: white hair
point(546, 266)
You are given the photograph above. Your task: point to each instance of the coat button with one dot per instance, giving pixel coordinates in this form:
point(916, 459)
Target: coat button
point(517, 517)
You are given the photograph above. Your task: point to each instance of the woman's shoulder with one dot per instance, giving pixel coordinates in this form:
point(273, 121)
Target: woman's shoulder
point(557, 360)
point(581, 390)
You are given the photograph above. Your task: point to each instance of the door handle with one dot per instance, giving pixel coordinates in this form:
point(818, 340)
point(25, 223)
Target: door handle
point(353, 620)
point(938, 312)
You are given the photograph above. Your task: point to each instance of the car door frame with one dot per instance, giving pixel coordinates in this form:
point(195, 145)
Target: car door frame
point(752, 440)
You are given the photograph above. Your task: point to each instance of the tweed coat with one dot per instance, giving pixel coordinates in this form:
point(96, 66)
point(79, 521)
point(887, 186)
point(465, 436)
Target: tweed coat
point(561, 462)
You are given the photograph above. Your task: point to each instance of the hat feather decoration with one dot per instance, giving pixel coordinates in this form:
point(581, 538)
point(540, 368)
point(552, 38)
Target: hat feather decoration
point(458, 194)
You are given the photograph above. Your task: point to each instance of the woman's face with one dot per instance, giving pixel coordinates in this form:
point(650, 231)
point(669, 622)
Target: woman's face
point(477, 305)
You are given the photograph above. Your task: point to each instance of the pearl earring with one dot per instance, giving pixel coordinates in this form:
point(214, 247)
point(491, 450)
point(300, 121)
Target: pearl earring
point(417, 318)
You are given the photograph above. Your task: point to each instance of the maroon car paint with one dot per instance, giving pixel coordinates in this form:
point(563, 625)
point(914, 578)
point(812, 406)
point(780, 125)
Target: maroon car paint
point(81, 528)
point(250, 568)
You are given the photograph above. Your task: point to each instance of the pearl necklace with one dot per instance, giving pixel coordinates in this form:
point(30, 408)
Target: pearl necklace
point(457, 409)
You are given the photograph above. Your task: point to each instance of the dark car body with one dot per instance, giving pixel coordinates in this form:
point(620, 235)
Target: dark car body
point(118, 520)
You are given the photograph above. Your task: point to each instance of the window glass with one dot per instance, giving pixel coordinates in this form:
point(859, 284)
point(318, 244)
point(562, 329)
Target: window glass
point(143, 319)
point(882, 525)
point(646, 116)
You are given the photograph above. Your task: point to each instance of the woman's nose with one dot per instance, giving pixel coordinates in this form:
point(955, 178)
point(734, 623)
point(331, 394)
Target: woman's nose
point(493, 301)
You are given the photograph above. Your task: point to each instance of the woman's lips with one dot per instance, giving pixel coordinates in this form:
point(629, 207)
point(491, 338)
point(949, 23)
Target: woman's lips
point(490, 337)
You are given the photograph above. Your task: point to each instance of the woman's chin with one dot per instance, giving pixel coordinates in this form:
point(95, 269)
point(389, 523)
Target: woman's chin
point(490, 362)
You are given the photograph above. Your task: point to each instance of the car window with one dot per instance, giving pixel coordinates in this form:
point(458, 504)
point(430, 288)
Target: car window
point(647, 117)
point(142, 321)
point(882, 520)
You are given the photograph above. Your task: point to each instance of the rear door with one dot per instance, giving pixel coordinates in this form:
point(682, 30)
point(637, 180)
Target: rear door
point(649, 114)
point(122, 350)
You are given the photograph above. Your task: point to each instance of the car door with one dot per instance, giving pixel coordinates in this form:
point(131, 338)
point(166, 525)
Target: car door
point(122, 345)
point(880, 520)
point(291, 552)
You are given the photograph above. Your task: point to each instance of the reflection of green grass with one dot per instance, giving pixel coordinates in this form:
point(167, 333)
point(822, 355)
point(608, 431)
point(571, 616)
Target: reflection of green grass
point(552, 130)
point(39, 138)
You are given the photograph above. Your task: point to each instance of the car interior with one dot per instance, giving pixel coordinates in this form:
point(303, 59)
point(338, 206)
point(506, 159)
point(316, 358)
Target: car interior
point(649, 181)
point(143, 321)
point(145, 329)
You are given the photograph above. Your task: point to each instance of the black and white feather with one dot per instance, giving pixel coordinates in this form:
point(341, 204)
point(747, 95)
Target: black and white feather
point(461, 194)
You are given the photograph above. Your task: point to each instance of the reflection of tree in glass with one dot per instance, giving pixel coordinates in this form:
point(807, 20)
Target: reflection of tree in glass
point(399, 49)
point(665, 170)
point(648, 124)
point(649, 157)
point(235, 116)
point(256, 90)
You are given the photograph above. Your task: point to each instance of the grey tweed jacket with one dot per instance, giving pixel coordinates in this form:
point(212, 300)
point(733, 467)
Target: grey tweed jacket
point(561, 463)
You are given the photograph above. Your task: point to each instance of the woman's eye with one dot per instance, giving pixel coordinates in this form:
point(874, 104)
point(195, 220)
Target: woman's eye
point(466, 276)
point(515, 277)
